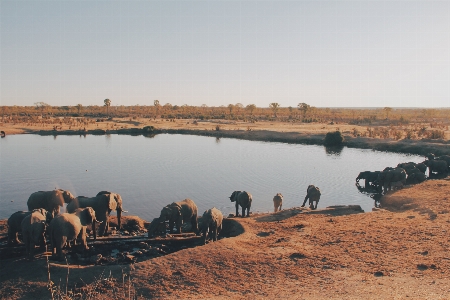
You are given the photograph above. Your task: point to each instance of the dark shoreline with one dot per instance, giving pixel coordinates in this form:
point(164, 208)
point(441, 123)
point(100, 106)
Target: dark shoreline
point(419, 147)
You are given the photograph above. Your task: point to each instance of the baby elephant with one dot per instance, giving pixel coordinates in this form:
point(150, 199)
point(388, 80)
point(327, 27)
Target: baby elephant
point(313, 194)
point(33, 230)
point(244, 199)
point(211, 224)
point(67, 227)
point(178, 213)
point(277, 202)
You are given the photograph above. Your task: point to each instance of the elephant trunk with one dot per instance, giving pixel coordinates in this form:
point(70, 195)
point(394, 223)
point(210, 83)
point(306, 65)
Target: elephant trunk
point(93, 227)
point(119, 216)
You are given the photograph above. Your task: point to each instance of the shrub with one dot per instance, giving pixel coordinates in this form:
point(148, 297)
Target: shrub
point(148, 129)
point(333, 139)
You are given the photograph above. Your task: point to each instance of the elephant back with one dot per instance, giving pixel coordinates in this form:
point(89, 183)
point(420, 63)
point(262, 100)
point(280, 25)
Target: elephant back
point(48, 200)
point(188, 209)
point(244, 199)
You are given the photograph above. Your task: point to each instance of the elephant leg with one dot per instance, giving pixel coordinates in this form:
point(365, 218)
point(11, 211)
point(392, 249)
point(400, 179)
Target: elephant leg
point(304, 201)
point(171, 223)
point(194, 223)
point(237, 209)
point(248, 210)
point(243, 212)
point(215, 233)
point(103, 225)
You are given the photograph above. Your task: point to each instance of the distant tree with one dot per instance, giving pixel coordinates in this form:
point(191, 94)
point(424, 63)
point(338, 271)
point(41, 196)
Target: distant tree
point(42, 106)
point(387, 110)
point(251, 108)
point(274, 106)
point(238, 106)
point(230, 107)
point(107, 104)
point(303, 107)
point(157, 105)
point(79, 107)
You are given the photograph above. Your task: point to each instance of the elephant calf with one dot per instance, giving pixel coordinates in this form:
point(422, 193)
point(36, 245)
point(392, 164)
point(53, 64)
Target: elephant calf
point(313, 194)
point(33, 230)
point(277, 202)
point(211, 224)
point(243, 199)
point(179, 212)
point(67, 227)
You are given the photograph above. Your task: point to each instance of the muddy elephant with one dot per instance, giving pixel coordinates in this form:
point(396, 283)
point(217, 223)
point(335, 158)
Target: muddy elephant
point(49, 200)
point(390, 175)
point(438, 166)
point(211, 224)
point(243, 199)
point(313, 194)
point(277, 202)
point(103, 203)
point(369, 177)
point(33, 228)
point(179, 212)
point(67, 227)
point(15, 224)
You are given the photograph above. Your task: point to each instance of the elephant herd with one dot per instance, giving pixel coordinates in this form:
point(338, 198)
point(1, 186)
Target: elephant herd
point(406, 173)
point(43, 218)
point(69, 228)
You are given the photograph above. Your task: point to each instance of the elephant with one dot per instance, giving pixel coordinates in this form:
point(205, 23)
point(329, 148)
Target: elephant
point(244, 199)
point(416, 177)
point(179, 212)
point(369, 177)
point(33, 230)
point(277, 202)
point(313, 194)
point(411, 167)
point(15, 223)
point(446, 158)
point(156, 227)
point(67, 227)
point(397, 185)
point(211, 224)
point(438, 166)
point(388, 176)
point(103, 203)
point(49, 200)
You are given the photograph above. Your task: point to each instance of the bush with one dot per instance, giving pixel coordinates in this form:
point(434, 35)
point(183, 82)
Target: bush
point(334, 139)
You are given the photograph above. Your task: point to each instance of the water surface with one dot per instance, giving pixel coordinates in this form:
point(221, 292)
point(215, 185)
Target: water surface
point(150, 173)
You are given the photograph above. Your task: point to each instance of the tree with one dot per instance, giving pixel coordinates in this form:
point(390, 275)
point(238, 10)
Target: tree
point(274, 106)
point(42, 106)
point(156, 103)
point(303, 107)
point(230, 107)
point(387, 110)
point(251, 108)
point(107, 104)
point(238, 107)
point(79, 107)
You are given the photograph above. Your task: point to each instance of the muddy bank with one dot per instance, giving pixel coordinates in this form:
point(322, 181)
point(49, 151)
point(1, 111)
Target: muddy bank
point(420, 147)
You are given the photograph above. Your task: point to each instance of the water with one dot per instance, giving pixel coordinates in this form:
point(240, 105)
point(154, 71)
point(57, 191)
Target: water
point(150, 173)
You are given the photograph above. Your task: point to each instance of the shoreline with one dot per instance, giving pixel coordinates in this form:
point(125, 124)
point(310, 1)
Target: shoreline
point(418, 147)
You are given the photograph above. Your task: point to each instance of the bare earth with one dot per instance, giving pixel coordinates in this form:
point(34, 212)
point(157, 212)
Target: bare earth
point(397, 252)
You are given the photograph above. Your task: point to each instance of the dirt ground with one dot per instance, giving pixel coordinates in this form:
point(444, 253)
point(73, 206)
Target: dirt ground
point(400, 251)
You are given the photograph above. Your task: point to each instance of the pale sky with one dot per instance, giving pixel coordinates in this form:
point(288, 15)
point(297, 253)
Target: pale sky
point(324, 53)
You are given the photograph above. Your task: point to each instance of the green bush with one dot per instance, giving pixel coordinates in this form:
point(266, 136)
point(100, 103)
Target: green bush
point(334, 139)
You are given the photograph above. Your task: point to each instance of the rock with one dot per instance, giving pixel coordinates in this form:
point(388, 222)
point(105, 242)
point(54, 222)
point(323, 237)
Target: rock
point(378, 274)
point(95, 258)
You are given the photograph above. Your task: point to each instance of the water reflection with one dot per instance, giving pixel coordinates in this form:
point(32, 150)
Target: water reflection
point(372, 191)
point(217, 140)
point(334, 150)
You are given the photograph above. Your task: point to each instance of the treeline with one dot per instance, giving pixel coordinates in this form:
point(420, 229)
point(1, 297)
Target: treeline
point(251, 113)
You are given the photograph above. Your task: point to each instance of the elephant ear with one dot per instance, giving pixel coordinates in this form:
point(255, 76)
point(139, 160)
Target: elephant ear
point(118, 199)
point(57, 197)
point(87, 216)
point(112, 204)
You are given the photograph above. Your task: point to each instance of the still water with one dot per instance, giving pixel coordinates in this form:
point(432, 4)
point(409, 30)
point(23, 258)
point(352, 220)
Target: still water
point(150, 173)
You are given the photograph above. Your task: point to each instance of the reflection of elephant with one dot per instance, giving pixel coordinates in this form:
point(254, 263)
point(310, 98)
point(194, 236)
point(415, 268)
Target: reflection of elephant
point(416, 177)
point(179, 212)
point(103, 204)
point(15, 223)
point(369, 177)
point(33, 230)
point(438, 166)
point(277, 202)
point(66, 227)
point(390, 175)
point(211, 224)
point(313, 194)
point(244, 199)
point(49, 200)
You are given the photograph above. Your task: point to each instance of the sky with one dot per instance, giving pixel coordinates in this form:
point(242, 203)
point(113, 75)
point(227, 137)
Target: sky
point(323, 53)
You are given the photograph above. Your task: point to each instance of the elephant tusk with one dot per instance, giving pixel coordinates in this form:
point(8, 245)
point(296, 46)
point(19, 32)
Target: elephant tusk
point(98, 221)
point(124, 211)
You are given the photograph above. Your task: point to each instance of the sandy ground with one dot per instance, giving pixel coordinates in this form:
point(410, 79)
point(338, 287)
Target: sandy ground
point(400, 251)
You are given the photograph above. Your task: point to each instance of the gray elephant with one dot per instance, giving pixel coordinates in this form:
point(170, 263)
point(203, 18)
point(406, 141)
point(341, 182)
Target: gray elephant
point(211, 224)
point(277, 202)
point(243, 199)
point(369, 177)
point(313, 194)
point(33, 230)
point(390, 175)
point(411, 167)
point(445, 158)
point(179, 212)
point(103, 204)
point(438, 166)
point(67, 227)
point(416, 177)
point(15, 224)
point(49, 200)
